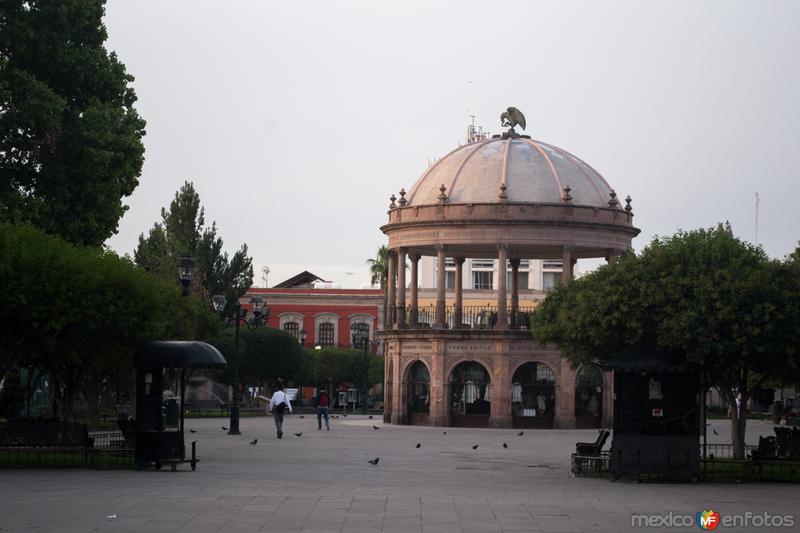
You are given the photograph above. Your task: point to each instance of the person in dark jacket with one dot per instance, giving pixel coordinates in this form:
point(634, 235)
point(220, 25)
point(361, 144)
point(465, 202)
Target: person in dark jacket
point(322, 402)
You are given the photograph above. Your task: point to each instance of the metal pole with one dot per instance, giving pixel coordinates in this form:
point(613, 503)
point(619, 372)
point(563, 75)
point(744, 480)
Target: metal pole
point(234, 429)
point(365, 376)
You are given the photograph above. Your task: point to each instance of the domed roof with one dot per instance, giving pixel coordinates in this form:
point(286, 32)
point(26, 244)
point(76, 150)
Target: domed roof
point(532, 171)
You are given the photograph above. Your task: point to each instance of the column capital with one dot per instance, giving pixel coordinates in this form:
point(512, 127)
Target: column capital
point(391, 251)
point(459, 260)
point(414, 257)
point(567, 248)
point(514, 262)
point(440, 247)
point(401, 250)
point(502, 246)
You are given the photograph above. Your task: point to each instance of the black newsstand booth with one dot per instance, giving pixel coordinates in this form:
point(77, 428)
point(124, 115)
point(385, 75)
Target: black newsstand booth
point(656, 416)
point(159, 416)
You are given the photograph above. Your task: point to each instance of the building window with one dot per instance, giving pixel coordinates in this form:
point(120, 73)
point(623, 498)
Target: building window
point(293, 328)
point(552, 264)
point(550, 280)
point(450, 280)
point(361, 328)
point(482, 263)
point(482, 280)
point(326, 335)
point(449, 262)
point(522, 280)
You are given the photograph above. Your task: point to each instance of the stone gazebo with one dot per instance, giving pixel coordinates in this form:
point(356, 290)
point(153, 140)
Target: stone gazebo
point(506, 198)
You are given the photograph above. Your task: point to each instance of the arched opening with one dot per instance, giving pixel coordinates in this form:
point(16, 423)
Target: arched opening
point(589, 397)
point(470, 395)
point(533, 396)
point(418, 387)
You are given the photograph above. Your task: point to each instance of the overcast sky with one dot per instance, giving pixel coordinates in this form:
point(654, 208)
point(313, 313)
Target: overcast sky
point(297, 120)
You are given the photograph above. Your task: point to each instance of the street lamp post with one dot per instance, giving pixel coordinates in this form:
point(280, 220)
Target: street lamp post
point(186, 270)
point(260, 315)
point(362, 335)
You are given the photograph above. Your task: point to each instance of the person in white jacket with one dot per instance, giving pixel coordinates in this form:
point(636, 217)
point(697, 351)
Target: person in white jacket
point(278, 405)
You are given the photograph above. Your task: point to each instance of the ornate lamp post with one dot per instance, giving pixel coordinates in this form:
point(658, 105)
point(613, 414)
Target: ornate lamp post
point(186, 269)
point(362, 336)
point(260, 314)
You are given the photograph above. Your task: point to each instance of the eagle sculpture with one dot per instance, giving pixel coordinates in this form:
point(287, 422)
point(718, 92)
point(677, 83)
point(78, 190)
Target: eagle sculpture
point(511, 117)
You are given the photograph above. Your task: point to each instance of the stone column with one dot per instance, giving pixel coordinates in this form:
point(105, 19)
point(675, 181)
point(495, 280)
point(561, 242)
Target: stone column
point(397, 403)
point(439, 392)
point(502, 305)
point(514, 293)
point(390, 293)
point(612, 255)
point(565, 397)
point(500, 416)
point(459, 303)
point(566, 265)
point(400, 318)
point(414, 303)
point(441, 319)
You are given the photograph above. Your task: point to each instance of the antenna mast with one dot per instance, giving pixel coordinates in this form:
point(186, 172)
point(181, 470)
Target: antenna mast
point(757, 202)
point(474, 133)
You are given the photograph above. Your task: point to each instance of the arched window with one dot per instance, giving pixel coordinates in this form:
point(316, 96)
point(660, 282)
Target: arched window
point(292, 328)
point(470, 391)
point(589, 396)
point(533, 396)
point(326, 336)
point(361, 328)
point(419, 388)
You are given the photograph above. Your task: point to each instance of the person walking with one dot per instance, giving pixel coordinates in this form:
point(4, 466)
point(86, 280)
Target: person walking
point(322, 403)
point(278, 405)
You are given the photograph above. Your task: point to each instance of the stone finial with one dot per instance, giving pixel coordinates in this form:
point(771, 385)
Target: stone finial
point(567, 197)
point(503, 195)
point(613, 203)
point(392, 198)
point(628, 207)
point(442, 196)
point(403, 200)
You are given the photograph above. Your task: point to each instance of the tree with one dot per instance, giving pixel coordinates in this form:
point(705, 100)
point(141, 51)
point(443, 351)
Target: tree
point(182, 233)
point(78, 313)
point(70, 139)
point(705, 294)
point(379, 272)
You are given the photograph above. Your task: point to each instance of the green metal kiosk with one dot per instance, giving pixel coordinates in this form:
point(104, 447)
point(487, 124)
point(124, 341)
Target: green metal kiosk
point(161, 369)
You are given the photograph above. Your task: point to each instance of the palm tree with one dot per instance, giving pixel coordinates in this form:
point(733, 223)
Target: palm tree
point(379, 271)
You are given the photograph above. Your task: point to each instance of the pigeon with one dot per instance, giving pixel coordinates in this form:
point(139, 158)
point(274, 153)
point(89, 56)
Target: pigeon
point(370, 417)
point(374, 462)
point(475, 447)
point(419, 444)
point(192, 431)
point(301, 416)
point(224, 428)
point(253, 442)
point(715, 432)
point(505, 445)
point(345, 415)
point(520, 433)
point(298, 434)
point(444, 433)
point(375, 427)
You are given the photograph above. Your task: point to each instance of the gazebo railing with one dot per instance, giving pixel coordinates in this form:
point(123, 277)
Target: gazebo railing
point(482, 317)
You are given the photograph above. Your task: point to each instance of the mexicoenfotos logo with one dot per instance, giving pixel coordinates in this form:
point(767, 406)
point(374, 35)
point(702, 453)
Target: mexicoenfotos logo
point(708, 520)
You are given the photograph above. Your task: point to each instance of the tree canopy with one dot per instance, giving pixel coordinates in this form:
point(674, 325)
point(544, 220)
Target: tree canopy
point(266, 354)
point(79, 312)
point(70, 138)
point(706, 294)
point(182, 232)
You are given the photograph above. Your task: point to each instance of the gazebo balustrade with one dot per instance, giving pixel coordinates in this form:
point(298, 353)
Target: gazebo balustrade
point(469, 317)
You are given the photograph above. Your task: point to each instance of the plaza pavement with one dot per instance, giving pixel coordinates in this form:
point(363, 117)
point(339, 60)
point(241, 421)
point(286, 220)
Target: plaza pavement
point(321, 482)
